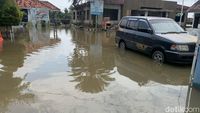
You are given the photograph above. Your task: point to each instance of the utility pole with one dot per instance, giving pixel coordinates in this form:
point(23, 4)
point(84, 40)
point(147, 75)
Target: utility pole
point(181, 16)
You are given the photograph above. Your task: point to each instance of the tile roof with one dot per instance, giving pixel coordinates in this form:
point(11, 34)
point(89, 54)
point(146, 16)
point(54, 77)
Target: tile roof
point(50, 5)
point(29, 4)
point(36, 4)
point(179, 7)
point(195, 7)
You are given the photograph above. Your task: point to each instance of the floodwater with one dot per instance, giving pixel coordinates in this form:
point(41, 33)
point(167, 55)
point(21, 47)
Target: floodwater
point(84, 72)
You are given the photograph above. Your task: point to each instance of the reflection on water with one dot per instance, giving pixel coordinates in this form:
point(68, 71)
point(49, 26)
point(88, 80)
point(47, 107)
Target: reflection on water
point(91, 63)
point(12, 56)
point(39, 37)
point(142, 69)
point(95, 57)
point(85, 72)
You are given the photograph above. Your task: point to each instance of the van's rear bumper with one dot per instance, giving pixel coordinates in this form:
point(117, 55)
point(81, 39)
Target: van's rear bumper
point(179, 57)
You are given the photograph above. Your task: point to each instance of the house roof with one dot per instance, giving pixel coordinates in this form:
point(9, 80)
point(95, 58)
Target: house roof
point(29, 4)
point(179, 7)
point(50, 5)
point(26, 4)
point(195, 7)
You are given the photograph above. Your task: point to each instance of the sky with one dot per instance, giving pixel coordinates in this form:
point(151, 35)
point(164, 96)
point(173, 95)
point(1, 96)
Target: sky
point(62, 4)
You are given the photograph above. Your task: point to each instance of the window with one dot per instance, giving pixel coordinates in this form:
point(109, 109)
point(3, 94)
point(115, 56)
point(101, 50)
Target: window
point(165, 26)
point(132, 24)
point(111, 13)
point(74, 15)
point(123, 23)
point(143, 25)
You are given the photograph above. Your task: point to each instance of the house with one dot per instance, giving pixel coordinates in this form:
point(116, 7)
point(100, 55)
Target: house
point(195, 8)
point(112, 10)
point(116, 9)
point(157, 8)
point(35, 9)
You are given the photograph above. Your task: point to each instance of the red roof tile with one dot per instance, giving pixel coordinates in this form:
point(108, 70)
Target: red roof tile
point(36, 4)
point(29, 4)
point(50, 5)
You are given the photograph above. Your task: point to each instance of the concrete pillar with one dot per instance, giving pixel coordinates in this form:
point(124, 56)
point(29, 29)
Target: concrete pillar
point(167, 14)
point(85, 14)
point(100, 19)
point(90, 19)
point(196, 21)
point(146, 13)
point(185, 20)
point(119, 14)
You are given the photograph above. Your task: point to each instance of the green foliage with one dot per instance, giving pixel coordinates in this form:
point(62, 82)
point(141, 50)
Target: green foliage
point(9, 13)
point(60, 15)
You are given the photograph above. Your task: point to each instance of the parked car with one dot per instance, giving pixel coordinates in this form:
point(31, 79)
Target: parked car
point(161, 38)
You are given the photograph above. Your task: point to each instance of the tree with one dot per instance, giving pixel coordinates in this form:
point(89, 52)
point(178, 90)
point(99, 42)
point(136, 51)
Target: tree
point(76, 2)
point(9, 13)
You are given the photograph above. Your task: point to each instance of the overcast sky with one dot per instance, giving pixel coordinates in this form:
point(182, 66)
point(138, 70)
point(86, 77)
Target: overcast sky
point(62, 4)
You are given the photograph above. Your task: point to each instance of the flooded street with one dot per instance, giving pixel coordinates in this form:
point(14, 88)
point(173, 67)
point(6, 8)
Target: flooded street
point(84, 72)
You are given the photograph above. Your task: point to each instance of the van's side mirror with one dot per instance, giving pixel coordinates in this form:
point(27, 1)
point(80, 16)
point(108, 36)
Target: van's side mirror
point(150, 31)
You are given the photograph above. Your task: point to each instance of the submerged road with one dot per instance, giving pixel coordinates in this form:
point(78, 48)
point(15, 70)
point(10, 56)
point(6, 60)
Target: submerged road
point(84, 72)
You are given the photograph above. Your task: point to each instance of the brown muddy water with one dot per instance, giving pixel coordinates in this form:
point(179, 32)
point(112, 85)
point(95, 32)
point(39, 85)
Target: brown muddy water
point(84, 72)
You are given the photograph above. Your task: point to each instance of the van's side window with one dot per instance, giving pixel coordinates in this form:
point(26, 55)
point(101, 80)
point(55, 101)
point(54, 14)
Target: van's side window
point(123, 23)
point(143, 26)
point(132, 24)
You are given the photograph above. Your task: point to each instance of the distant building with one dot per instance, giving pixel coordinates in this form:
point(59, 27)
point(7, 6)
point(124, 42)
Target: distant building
point(178, 13)
point(157, 8)
point(115, 9)
point(195, 8)
point(112, 10)
point(30, 6)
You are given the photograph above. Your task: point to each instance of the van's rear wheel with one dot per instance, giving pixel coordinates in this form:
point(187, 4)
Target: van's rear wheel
point(122, 45)
point(158, 56)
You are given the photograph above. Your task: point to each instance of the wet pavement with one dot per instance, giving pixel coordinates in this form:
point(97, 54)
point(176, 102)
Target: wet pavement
point(84, 72)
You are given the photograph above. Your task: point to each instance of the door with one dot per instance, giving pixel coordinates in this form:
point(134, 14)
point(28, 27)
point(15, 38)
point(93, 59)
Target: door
point(131, 33)
point(121, 32)
point(145, 36)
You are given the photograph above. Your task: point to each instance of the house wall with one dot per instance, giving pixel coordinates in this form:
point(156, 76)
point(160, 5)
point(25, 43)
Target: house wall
point(91, 18)
point(155, 5)
point(147, 7)
point(117, 7)
point(171, 6)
